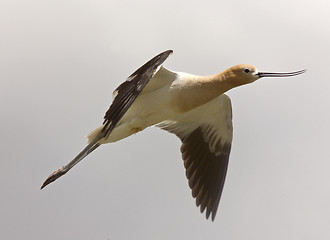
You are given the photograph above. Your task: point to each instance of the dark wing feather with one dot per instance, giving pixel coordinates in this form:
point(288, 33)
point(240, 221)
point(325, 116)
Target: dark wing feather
point(206, 171)
point(129, 90)
point(206, 135)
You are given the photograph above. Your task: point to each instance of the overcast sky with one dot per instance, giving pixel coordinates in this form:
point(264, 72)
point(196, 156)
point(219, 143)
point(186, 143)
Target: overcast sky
point(61, 60)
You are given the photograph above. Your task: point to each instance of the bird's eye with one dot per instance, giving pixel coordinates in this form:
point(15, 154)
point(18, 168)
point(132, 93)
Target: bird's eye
point(246, 70)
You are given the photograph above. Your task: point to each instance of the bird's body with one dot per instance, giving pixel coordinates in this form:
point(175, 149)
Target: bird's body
point(193, 107)
point(167, 95)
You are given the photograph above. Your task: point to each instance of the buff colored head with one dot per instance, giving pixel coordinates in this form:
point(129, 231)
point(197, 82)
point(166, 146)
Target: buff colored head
point(244, 74)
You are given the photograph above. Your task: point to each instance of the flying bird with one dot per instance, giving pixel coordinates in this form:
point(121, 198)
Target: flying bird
point(192, 107)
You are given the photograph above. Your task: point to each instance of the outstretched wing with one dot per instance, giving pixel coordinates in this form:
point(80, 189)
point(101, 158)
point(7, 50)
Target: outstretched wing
point(129, 90)
point(206, 134)
point(125, 95)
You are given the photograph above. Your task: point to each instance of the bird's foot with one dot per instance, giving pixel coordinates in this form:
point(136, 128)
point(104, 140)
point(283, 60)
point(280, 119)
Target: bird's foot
point(52, 177)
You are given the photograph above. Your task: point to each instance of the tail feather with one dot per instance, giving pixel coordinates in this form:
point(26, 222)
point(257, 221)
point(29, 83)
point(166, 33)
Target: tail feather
point(94, 134)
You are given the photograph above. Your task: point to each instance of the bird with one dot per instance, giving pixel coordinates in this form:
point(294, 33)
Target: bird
point(194, 108)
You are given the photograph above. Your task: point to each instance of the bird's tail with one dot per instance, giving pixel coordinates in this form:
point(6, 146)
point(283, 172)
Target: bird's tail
point(94, 134)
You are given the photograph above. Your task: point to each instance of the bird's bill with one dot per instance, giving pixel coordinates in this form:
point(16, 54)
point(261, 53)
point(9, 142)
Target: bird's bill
point(288, 74)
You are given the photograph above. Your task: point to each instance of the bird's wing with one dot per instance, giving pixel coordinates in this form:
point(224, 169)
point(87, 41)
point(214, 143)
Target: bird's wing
point(128, 91)
point(206, 134)
point(124, 96)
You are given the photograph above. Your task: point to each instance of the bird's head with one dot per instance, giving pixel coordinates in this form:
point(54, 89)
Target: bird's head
point(244, 74)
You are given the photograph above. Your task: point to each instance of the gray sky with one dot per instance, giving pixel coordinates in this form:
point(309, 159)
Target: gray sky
point(61, 60)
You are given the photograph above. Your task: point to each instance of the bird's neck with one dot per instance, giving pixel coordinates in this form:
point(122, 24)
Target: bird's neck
point(198, 90)
point(222, 82)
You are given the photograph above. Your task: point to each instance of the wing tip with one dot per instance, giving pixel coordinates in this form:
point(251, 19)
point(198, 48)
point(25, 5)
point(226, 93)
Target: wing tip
point(169, 52)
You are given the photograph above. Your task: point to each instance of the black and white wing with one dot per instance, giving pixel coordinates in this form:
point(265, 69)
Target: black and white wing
point(129, 90)
point(206, 134)
point(124, 96)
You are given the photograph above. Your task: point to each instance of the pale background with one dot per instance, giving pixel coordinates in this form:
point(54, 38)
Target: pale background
point(60, 61)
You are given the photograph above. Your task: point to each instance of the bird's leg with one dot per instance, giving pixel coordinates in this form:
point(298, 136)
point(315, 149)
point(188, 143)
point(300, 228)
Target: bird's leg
point(63, 170)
